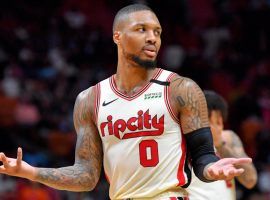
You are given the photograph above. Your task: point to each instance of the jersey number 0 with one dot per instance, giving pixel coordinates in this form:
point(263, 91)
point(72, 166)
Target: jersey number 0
point(148, 153)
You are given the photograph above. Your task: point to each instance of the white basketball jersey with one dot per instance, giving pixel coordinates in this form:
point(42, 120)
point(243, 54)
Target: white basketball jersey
point(217, 190)
point(144, 150)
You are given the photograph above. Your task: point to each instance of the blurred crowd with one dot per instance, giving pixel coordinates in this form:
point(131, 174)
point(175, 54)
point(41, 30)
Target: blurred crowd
point(51, 50)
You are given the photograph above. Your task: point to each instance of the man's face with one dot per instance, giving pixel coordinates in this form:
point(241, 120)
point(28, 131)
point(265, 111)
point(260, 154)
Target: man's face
point(139, 38)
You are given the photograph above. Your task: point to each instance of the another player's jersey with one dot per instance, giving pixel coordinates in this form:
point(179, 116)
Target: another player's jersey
point(144, 150)
point(217, 190)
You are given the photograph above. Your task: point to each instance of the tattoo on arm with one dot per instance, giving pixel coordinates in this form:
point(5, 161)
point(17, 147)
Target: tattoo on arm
point(181, 101)
point(233, 148)
point(237, 146)
point(178, 80)
point(84, 174)
point(65, 178)
point(191, 104)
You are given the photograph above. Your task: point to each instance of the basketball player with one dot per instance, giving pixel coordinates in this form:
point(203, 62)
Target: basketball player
point(131, 122)
point(227, 144)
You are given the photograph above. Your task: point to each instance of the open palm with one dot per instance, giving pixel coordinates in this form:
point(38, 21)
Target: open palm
point(16, 166)
point(226, 168)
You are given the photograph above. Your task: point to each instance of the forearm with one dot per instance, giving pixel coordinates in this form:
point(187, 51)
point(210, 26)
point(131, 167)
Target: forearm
point(202, 152)
point(249, 177)
point(73, 178)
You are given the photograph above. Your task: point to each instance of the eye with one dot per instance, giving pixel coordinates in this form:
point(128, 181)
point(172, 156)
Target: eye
point(157, 32)
point(141, 29)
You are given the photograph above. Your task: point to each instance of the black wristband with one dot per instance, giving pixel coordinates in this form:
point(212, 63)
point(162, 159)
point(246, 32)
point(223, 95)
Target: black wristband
point(201, 148)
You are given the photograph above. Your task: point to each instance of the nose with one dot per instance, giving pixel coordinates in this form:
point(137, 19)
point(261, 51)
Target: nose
point(150, 37)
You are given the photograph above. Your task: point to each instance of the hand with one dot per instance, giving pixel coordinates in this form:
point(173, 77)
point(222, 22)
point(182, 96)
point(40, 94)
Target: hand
point(226, 168)
point(16, 167)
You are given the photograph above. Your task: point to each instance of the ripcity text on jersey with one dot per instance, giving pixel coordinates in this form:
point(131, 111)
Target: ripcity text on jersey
point(144, 150)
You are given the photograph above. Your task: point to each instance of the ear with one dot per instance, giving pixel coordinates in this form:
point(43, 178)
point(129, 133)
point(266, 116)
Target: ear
point(116, 37)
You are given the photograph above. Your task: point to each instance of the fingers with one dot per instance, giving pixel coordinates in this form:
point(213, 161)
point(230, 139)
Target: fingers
point(239, 161)
point(239, 171)
point(19, 156)
point(232, 172)
point(224, 173)
point(212, 174)
point(4, 160)
point(217, 174)
point(233, 161)
point(228, 173)
point(2, 169)
point(227, 168)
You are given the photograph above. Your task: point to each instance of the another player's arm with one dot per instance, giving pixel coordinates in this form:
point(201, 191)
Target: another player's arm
point(233, 147)
point(84, 174)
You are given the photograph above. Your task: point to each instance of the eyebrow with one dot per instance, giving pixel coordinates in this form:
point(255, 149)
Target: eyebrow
point(142, 24)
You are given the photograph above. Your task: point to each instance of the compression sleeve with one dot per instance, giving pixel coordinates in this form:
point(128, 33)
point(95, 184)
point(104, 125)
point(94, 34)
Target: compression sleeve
point(201, 148)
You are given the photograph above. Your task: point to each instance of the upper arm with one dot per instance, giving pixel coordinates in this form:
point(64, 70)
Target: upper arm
point(249, 177)
point(190, 104)
point(88, 146)
point(234, 142)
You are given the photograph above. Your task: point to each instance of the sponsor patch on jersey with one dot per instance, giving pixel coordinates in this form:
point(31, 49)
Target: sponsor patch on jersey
point(153, 95)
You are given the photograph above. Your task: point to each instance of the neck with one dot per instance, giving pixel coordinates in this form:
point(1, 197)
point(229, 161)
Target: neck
point(130, 77)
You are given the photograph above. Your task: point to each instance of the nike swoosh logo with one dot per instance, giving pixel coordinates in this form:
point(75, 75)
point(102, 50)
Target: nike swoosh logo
point(105, 104)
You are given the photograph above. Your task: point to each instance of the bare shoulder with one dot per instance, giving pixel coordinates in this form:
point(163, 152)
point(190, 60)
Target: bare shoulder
point(227, 136)
point(232, 139)
point(189, 102)
point(84, 107)
point(179, 86)
point(88, 141)
point(86, 95)
point(181, 82)
point(184, 87)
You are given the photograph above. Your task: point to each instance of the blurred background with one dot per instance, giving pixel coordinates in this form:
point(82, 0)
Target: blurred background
point(51, 50)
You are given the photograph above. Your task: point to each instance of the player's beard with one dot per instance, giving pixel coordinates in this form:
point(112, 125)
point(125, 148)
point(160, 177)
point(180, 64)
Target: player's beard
point(147, 64)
